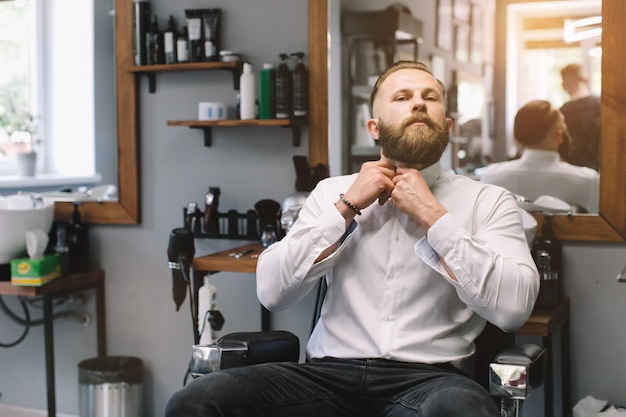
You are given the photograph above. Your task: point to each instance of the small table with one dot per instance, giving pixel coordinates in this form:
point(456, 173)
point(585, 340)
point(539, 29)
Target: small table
point(547, 323)
point(225, 261)
point(66, 284)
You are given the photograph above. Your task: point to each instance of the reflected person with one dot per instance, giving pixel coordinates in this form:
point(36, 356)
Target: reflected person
point(582, 116)
point(541, 129)
point(416, 259)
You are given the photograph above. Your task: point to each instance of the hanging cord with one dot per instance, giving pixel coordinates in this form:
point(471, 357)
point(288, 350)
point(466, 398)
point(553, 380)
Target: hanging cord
point(207, 314)
point(26, 328)
point(187, 279)
point(83, 318)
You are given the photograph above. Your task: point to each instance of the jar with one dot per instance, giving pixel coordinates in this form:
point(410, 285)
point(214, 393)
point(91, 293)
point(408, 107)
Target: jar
point(229, 56)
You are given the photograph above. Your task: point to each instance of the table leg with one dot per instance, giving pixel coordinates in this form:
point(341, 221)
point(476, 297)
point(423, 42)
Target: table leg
point(565, 363)
point(49, 353)
point(101, 320)
point(266, 319)
point(549, 382)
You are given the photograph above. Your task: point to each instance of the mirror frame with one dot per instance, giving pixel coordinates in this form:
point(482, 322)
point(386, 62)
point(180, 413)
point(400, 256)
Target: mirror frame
point(609, 225)
point(126, 210)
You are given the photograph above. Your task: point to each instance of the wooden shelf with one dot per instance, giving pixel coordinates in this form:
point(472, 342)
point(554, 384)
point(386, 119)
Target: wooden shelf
point(151, 70)
point(207, 125)
point(224, 262)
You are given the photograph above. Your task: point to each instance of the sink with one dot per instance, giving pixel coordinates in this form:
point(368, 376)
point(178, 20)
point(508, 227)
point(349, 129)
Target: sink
point(20, 213)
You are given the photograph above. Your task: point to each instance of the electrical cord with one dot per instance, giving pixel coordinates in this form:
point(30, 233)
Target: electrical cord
point(29, 323)
point(26, 328)
point(187, 280)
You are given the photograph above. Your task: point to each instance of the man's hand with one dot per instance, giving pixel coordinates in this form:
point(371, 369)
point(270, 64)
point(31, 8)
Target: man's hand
point(412, 195)
point(374, 182)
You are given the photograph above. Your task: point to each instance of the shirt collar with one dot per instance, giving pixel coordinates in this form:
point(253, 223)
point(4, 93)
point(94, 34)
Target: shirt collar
point(535, 154)
point(431, 173)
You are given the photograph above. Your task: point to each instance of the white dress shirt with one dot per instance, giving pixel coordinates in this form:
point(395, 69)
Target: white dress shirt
point(539, 173)
point(389, 295)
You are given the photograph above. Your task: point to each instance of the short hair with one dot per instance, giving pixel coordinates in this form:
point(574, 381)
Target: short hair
point(398, 65)
point(534, 121)
point(573, 71)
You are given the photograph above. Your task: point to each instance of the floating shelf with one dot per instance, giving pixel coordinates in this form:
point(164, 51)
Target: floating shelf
point(151, 70)
point(207, 125)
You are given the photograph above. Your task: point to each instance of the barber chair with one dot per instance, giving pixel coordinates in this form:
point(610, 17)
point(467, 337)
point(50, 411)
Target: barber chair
point(508, 371)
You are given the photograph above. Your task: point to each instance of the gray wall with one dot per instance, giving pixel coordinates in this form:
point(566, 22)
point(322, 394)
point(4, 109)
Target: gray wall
point(248, 164)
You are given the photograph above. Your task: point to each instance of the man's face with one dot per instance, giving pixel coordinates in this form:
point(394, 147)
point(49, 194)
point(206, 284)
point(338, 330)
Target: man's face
point(411, 126)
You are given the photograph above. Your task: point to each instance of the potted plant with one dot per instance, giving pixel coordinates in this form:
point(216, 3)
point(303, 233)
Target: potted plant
point(20, 134)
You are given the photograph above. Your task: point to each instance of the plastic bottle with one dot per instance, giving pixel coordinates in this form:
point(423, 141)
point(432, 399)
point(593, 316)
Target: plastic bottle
point(283, 89)
point(182, 46)
point(78, 243)
point(206, 302)
point(248, 93)
point(169, 41)
point(300, 87)
point(140, 27)
point(267, 104)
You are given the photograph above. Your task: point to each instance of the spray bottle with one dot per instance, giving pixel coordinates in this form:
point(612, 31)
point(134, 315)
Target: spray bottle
point(300, 87)
point(284, 89)
point(547, 252)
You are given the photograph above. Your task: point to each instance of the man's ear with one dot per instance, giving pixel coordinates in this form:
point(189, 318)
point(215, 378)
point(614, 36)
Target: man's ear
point(450, 123)
point(372, 128)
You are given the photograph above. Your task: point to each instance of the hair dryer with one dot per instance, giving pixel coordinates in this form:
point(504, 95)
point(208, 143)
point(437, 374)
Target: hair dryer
point(180, 253)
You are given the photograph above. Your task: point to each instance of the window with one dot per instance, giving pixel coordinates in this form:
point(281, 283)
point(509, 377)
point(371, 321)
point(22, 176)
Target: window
point(47, 59)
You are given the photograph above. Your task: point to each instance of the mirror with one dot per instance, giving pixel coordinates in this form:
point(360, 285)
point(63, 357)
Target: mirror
point(126, 209)
point(609, 225)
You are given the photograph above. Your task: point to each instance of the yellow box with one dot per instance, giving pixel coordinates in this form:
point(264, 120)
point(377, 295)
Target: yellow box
point(35, 272)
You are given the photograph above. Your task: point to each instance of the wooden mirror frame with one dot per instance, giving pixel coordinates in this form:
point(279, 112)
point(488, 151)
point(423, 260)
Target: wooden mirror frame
point(126, 209)
point(609, 225)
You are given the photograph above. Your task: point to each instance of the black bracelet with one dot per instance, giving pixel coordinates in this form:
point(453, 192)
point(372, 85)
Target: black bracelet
point(349, 204)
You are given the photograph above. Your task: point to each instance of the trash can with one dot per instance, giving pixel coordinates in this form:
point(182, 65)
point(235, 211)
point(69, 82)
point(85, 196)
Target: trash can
point(111, 386)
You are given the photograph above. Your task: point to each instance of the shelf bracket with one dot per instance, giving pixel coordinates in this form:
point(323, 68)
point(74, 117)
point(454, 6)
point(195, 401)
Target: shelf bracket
point(295, 135)
point(151, 82)
point(207, 134)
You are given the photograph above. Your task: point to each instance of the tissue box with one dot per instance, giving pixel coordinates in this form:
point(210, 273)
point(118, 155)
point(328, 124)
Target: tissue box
point(35, 272)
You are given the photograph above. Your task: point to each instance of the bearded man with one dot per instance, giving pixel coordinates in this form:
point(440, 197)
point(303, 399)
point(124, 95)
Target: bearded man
point(416, 260)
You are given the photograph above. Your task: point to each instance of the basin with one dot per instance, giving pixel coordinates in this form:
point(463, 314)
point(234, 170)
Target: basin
point(20, 213)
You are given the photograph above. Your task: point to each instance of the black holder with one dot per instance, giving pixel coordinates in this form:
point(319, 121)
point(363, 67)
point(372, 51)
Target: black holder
point(231, 225)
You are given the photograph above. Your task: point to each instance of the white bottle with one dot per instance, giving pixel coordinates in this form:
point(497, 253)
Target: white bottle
point(247, 90)
point(206, 302)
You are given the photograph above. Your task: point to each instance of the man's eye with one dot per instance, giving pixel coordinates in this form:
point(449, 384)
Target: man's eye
point(431, 98)
point(401, 98)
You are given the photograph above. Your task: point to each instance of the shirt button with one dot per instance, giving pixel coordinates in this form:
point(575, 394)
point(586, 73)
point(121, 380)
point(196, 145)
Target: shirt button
point(388, 318)
point(387, 355)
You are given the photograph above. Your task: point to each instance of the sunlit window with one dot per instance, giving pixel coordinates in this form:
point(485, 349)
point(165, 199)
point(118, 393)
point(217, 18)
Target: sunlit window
point(46, 56)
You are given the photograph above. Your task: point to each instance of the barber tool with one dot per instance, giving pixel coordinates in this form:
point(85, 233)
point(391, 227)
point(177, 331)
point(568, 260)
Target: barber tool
point(269, 212)
point(238, 255)
point(211, 203)
point(180, 253)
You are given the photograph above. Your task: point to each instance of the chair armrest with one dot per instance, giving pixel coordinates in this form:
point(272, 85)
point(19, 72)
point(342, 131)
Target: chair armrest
point(260, 347)
point(517, 370)
point(242, 349)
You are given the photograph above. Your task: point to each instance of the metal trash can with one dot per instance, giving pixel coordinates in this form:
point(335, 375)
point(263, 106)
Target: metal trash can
point(111, 386)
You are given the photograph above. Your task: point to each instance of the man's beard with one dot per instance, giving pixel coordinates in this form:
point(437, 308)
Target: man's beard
point(418, 146)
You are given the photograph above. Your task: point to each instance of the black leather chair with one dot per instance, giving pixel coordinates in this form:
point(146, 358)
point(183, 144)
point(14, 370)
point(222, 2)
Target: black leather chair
point(508, 371)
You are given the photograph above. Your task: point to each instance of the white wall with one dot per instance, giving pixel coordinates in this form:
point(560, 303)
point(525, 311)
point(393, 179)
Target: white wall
point(248, 164)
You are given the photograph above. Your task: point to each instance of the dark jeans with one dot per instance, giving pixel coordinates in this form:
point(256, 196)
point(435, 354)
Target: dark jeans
point(333, 387)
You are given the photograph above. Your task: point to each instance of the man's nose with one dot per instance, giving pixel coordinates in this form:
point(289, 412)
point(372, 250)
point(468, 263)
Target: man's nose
point(419, 104)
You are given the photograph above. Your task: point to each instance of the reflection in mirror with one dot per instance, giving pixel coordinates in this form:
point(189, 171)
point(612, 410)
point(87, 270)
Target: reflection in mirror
point(610, 223)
